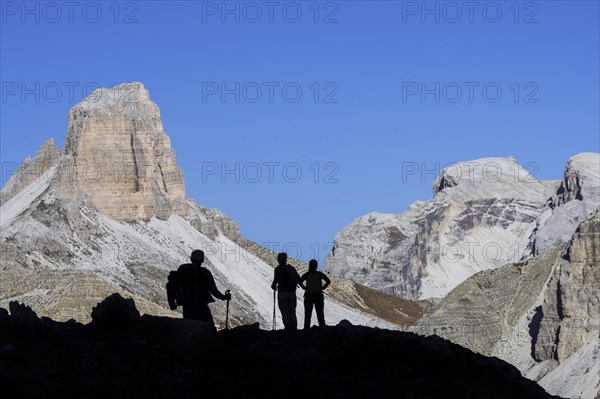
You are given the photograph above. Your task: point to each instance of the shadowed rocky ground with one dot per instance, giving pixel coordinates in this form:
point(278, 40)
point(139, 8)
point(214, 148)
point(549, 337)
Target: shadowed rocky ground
point(122, 355)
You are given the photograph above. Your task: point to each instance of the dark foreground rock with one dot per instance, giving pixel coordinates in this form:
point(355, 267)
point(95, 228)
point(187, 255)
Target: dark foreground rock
point(160, 357)
point(115, 312)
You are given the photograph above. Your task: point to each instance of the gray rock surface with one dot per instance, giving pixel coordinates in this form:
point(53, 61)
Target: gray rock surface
point(574, 198)
point(481, 217)
point(31, 170)
point(542, 315)
point(484, 214)
point(487, 306)
point(570, 313)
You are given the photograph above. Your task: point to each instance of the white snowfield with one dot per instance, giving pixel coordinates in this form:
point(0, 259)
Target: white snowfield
point(253, 277)
point(21, 202)
point(123, 252)
point(236, 268)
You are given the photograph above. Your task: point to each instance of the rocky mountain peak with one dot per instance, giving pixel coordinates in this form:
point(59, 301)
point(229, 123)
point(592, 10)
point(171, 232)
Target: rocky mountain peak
point(573, 199)
point(581, 177)
point(126, 95)
point(485, 213)
point(119, 155)
point(492, 177)
point(47, 148)
point(31, 170)
point(116, 156)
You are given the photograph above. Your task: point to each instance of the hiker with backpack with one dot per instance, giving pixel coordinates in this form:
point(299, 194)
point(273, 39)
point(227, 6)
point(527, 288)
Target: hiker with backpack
point(193, 287)
point(285, 281)
point(312, 283)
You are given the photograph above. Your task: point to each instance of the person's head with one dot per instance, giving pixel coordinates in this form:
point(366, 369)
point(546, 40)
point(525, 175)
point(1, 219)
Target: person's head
point(197, 257)
point(312, 265)
point(282, 258)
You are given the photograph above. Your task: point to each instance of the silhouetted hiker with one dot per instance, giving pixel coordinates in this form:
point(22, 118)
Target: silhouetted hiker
point(314, 293)
point(191, 286)
point(285, 281)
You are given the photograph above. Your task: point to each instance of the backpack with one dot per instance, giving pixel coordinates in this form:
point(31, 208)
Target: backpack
point(184, 288)
point(174, 295)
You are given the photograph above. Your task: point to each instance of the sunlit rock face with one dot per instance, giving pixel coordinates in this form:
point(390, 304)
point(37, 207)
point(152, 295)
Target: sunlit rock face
point(570, 313)
point(481, 217)
point(574, 198)
point(119, 155)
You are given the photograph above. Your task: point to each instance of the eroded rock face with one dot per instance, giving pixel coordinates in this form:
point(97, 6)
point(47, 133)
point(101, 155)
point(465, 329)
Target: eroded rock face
point(570, 313)
point(481, 217)
point(484, 214)
point(118, 154)
point(488, 306)
point(31, 170)
point(573, 199)
point(541, 315)
point(211, 222)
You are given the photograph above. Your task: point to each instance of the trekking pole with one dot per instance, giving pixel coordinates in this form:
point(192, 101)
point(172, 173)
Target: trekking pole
point(274, 314)
point(227, 312)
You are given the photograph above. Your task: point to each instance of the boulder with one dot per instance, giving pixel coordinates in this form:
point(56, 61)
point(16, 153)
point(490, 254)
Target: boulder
point(115, 312)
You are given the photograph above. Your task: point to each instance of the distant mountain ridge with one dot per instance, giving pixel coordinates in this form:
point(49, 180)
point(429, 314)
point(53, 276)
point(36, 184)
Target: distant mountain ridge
point(484, 213)
point(515, 261)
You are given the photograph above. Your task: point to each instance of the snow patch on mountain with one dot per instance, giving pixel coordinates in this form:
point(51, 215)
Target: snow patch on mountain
point(21, 202)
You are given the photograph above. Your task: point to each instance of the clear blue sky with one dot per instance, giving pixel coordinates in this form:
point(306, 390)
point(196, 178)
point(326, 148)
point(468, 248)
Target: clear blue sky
point(365, 58)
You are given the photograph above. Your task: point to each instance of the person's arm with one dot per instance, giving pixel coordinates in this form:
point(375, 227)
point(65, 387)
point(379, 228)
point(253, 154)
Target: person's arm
point(212, 287)
point(302, 279)
point(275, 280)
point(326, 279)
point(297, 277)
point(171, 287)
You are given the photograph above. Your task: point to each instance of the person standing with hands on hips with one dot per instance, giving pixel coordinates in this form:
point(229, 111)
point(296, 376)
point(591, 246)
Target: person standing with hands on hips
point(314, 293)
